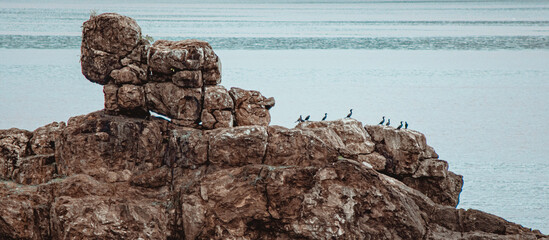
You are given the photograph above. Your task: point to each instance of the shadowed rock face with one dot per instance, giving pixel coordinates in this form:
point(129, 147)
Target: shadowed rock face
point(408, 158)
point(217, 170)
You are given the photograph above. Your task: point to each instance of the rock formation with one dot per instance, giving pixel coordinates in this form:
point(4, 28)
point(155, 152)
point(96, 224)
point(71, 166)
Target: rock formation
point(177, 79)
point(217, 170)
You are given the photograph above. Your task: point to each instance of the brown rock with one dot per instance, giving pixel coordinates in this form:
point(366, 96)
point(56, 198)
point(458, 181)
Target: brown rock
point(24, 212)
point(167, 57)
point(217, 98)
point(223, 118)
point(403, 148)
point(376, 160)
point(106, 39)
point(237, 146)
point(188, 148)
point(251, 108)
point(85, 208)
point(13, 147)
point(355, 139)
point(218, 106)
point(131, 100)
point(43, 138)
point(130, 74)
point(212, 76)
point(411, 160)
point(174, 102)
point(188, 79)
point(111, 98)
point(295, 147)
point(442, 190)
point(95, 142)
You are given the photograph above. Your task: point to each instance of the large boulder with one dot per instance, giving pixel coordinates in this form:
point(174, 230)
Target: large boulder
point(251, 108)
point(106, 39)
point(409, 159)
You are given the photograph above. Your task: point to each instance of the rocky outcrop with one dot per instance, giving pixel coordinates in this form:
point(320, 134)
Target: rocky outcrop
point(119, 177)
point(217, 170)
point(409, 159)
point(177, 79)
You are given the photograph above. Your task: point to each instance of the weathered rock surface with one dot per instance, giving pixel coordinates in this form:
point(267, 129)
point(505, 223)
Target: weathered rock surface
point(177, 79)
point(121, 174)
point(251, 108)
point(408, 158)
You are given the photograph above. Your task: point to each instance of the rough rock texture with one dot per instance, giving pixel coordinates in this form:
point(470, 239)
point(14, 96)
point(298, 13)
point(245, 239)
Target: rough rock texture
point(251, 108)
point(130, 178)
point(121, 174)
point(177, 79)
point(408, 158)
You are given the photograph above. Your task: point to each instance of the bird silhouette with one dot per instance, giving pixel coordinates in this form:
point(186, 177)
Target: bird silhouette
point(382, 121)
point(388, 122)
point(325, 116)
point(307, 118)
point(399, 126)
point(350, 113)
point(300, 119)
point(405, 125)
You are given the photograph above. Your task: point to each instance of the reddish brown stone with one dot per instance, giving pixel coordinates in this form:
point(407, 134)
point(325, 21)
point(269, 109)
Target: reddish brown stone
point(295, 147)
point(251, 108)
point(188, 79)
point(106, 39)
point(174, 102)
point(237, 146)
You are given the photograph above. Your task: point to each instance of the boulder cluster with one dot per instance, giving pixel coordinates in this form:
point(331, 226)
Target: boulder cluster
point(221, 174)
point(176, 79)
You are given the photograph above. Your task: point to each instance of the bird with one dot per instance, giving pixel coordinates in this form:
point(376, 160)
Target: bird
point(405, 125)
point(307, 118)
point(399, 126)
point(351, 113)
point(300, 119)
point(388, 122)
point(382, 121)
point(325, 116)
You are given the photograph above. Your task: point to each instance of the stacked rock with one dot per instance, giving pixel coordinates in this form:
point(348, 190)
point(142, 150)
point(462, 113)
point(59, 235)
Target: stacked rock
point(177, 79)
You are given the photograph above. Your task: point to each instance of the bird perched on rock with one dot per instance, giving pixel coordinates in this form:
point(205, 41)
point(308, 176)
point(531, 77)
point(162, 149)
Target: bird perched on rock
point(405, 125)
point(350, 113)
point(300, 119)
point(388, 122)
point(307, 118)
point(382, 121)
point(325, 116)
point(399, 126)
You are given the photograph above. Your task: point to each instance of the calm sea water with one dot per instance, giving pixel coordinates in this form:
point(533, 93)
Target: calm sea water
point(472, 76)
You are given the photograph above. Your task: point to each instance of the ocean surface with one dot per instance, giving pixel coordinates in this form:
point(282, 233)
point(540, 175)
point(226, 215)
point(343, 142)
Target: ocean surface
point(472, 75)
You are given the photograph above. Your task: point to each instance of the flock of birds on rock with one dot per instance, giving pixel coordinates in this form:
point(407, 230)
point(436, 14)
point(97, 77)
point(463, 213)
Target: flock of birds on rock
point(388, 123)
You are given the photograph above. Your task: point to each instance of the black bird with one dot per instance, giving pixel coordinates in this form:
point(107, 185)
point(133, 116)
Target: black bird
point(307, 118)
point(351, 113)
point(399, 126)
point(382, 121)
point(388, 122)
point(325, 116)
point(300, 119)
point(405, 125)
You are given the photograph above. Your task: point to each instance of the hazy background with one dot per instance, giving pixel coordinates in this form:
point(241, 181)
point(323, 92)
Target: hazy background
point(472, 76)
